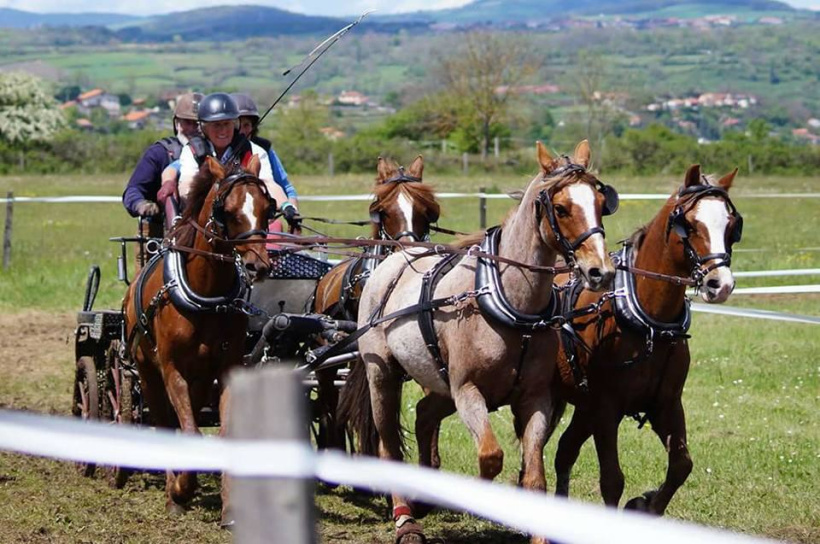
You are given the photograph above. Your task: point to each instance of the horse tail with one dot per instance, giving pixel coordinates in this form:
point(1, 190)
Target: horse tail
point(356, 410)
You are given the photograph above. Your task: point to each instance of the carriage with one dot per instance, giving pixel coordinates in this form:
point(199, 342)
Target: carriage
point(282, 330)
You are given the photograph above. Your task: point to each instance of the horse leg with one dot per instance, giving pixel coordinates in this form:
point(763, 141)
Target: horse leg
point(569, 447)
point(430, 411)
point(670, 425)
point(605, 432)
point(385, 385)
point(183, 486)
point(472, 408)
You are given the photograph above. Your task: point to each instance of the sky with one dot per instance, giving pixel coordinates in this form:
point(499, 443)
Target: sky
point(312, 7)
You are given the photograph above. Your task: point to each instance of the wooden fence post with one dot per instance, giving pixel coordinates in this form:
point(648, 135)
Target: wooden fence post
point(270, 404)
point(496, 147)
point(465, 163)
point(482, 209)
point(330, 165)
point(7, 230)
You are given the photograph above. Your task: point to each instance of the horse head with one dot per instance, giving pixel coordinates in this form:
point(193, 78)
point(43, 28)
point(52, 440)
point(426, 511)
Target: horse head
point(568, 211)
point(238, 208)
point(705, 222)
point(403, 207)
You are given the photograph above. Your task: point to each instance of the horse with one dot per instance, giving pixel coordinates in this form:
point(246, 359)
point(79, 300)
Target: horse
point(184, 320)
point(633, 357)
point(403, 208)
point(480, 343)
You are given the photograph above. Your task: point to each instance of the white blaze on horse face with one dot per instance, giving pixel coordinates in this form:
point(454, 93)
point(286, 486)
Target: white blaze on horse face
point(406, 207)
point(583, 196)
point(713, 214)
point(247, 209)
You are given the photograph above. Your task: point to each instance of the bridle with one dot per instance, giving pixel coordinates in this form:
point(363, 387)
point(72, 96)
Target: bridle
point(376, 216)
point(217, 218)
point(567, 247)
point(677, 222)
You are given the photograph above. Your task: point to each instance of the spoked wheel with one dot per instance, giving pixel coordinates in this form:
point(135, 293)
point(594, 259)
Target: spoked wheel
point(86, 400)
point(119, 403)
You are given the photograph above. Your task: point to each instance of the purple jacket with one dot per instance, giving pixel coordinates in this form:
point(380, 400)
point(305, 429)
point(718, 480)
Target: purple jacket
point(147, 177)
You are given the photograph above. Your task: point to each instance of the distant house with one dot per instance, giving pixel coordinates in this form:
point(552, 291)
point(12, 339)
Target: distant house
point(98, 98)
point(138, 119)
point(528, 89)
point(730, 122)
point(804, 134)
point(352, 98)
point(331, 133)
point(84, 124)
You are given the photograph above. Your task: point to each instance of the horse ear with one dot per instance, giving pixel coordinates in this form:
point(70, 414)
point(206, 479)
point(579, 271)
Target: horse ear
point(254, 166)
point(385, 169)
point(545, 160)
point(516, 195)
point(692, 176)
point(216, 169)
point(726, 181)
point(581, 154)
point(417, 167)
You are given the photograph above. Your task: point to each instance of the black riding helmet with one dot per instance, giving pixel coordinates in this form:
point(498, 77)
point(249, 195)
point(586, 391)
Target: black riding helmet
point(247, 107)
point(218, 107)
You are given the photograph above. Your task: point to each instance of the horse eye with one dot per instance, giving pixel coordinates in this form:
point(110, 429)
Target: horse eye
point(561, 211)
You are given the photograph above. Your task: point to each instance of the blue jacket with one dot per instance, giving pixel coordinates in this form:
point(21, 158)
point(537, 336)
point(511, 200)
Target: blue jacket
point(147, 177)
point(279, 174)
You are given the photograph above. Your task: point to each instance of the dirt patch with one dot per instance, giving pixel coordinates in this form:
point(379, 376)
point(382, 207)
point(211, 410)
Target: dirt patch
point(37, 361)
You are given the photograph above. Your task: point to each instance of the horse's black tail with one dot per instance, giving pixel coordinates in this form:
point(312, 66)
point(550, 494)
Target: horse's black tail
point(557, 413)
point(356, 411)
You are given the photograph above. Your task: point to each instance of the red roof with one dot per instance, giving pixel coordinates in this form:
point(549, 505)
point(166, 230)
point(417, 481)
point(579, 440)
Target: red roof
point(136, 116)
point(90, 94)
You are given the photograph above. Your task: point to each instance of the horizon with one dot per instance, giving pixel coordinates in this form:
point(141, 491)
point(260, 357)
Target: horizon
point(306, 7)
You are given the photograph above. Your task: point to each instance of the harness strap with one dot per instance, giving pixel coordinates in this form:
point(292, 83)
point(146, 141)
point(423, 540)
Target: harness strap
point(144, 315)
point(570, 339)
point(428, 330)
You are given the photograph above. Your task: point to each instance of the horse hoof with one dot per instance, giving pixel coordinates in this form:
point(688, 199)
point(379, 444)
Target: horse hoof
point(421, 509)
point(410, 533)
point(174, 509)
point(641, 504)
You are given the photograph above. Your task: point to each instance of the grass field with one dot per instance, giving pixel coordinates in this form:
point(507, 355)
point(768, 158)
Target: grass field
point(752, 398)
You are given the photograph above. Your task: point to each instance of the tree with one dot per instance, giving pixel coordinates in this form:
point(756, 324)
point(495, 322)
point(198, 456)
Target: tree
point(28, 114)
point(480, 77)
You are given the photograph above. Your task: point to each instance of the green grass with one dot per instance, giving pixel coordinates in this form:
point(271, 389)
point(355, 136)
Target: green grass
point(752, 397)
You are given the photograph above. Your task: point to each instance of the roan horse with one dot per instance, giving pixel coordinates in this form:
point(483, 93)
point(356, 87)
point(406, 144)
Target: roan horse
point(477, 355)
point(403, 209)
point(184, 322)
point(635, 356)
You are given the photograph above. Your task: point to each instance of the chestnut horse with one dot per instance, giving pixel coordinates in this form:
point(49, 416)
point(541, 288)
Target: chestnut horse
point(403, 209)
point(491, 343)
point(184, 323)
point(636, 355)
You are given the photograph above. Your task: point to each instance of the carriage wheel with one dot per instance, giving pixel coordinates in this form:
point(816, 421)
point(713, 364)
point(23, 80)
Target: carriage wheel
point(86, 400)
point(119, 405)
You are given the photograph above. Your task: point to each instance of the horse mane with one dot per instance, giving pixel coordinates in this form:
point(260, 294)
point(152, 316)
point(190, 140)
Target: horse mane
point(474, 238)
point(183, 231)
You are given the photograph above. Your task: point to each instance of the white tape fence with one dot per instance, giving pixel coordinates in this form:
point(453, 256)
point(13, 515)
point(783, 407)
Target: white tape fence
point(556, 518)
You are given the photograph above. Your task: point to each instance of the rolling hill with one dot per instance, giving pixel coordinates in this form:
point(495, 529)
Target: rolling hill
point(15, 18)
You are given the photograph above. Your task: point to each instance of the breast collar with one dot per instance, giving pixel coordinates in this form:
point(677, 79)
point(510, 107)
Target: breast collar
point(185, 298)
point(630, 313)
point(491, 299)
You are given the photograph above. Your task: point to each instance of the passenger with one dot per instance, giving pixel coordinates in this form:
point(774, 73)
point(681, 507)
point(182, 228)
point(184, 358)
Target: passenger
point(145, 193)
point(248, 120)
point(219, 120)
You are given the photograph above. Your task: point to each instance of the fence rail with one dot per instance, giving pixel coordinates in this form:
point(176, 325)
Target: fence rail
point(271, 461)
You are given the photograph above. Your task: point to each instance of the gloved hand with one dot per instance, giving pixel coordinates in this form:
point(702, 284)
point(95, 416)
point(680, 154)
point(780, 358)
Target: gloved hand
point(291, 215)
point(168, 188)
point(146, 208)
